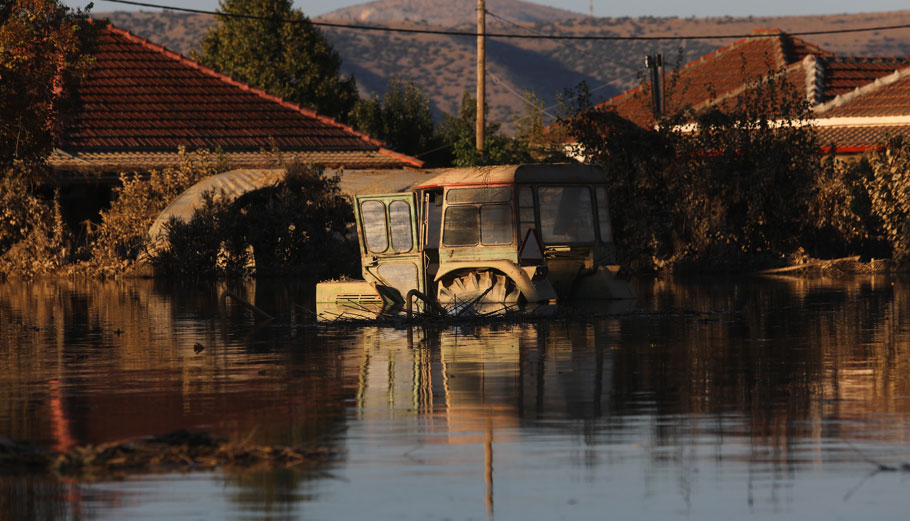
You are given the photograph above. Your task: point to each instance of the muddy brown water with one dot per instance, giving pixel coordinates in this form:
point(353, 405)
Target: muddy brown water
point(762, 398)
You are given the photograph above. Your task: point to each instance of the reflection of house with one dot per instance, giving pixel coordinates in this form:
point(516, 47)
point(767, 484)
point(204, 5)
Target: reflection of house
point(855, 100)
point(141, 102)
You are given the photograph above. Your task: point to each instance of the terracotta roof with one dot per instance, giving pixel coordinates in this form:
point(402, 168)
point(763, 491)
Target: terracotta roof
point(845, 74)
point(140, 98)
point(851, 139)
point(718, 74)
point(125, 160)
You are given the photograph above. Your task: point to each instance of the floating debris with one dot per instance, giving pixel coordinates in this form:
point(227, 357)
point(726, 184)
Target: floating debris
point(179, 451)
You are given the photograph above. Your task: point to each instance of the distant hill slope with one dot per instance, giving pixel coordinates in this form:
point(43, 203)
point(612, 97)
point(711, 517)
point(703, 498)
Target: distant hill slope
point(448, 13)
point(443, 66)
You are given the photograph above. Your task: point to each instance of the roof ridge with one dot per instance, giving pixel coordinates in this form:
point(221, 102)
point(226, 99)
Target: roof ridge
point(259, 92)
point(877, 84)
point(815, 78)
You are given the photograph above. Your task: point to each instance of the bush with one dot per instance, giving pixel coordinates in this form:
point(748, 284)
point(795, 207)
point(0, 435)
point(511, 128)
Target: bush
point(729, 193)
point(33, 239)
point(123, 232)
point(888, 187)
point(298, 226)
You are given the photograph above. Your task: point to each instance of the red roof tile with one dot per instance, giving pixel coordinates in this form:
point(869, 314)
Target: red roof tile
point(718, 74)
point(888, 95)
point(851, 139)
point(141, 98)
point(845, 74)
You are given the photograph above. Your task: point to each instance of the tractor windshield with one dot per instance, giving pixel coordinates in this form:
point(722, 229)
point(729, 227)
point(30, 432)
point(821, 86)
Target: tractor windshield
point(566, 214)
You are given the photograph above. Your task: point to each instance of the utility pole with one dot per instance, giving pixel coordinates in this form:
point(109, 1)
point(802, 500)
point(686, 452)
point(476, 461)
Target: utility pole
point(481, 73)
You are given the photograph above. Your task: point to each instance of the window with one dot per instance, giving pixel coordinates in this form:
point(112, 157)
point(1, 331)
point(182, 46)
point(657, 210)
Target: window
point(526, 218)
point(603, 215)
point(372, 216)
point(496, 224)
point(400, 219)
point(460, 226)
point(566, 214)
point(497, 194)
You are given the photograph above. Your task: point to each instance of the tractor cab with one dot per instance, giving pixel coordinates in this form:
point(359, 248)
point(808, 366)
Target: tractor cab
point(503, 234)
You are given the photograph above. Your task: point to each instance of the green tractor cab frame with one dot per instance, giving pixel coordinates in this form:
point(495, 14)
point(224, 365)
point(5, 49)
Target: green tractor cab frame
point(504, 235)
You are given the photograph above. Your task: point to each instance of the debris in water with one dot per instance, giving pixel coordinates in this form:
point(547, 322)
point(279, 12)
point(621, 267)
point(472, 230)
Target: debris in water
point(178, 451)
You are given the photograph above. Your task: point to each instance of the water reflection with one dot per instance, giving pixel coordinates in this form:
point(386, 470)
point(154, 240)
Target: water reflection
point(733, 394)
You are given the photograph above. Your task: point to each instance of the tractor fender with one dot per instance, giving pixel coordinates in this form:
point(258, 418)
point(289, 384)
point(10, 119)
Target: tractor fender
point(532, 290)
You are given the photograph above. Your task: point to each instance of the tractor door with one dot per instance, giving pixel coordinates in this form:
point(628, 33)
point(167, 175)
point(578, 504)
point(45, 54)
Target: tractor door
point(390, 250)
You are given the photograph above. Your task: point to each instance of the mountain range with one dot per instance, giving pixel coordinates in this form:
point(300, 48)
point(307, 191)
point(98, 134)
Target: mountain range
point(442, 66)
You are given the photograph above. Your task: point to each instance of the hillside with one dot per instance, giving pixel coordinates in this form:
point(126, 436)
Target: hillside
point(443, 66)
point(448, 13)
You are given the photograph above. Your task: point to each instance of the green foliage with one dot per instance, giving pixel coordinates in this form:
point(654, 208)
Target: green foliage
point(292, 60)
point(728, 192)
point(840, 209)
point(33, 238)
point(298, 226)
point(197, 249)
point(401, 118)
point(545, 145)
point(460, 130)
point(889, 194)
point(123, 232)
point(42, 52)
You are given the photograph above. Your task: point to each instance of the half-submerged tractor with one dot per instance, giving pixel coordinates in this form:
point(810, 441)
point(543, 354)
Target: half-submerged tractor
point(533, 233)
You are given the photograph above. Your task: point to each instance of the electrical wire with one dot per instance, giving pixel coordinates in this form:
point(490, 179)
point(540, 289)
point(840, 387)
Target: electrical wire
point(509, 35)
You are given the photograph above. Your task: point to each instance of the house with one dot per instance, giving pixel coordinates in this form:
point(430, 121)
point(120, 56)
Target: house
point(856, 101)
point(140, 102)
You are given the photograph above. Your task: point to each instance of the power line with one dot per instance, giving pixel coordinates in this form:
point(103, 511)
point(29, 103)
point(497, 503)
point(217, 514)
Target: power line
point(510, 35)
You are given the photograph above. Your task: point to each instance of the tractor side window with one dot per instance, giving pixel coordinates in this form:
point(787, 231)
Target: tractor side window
point(400, 220)
point(496, 224)
point(566, 214)
point(526, 219)
point(375, 232)
point(603, 215)
point(460, 226)
point(496, 194)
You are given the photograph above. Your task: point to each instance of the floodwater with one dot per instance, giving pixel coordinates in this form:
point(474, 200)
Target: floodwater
point(712, 399)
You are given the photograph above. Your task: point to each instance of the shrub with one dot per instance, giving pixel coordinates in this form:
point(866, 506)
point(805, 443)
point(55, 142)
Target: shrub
point(123, 232)
point(33, 239)
point(298, 226)
point(727, 193)
point(888, 187)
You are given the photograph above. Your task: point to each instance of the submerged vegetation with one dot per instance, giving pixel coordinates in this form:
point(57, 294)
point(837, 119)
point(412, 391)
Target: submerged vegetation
point(299, 225)
point(179, 451)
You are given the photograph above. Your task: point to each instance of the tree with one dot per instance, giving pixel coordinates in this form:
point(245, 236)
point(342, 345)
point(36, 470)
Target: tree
point(283, 54)
point(43, 50)
point(498, 149)
point(726, 187)
point(401, 118)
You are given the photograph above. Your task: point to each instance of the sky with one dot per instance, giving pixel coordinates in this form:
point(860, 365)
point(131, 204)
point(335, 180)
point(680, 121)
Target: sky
point(613, 8)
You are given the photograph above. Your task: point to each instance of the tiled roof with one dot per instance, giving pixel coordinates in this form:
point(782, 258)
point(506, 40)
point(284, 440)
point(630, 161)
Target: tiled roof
point(140, 98)
point(123, 160)
point(857, 100)
point(849, 139)
point(845, 74)
point(887, 95)
point(718, 74)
